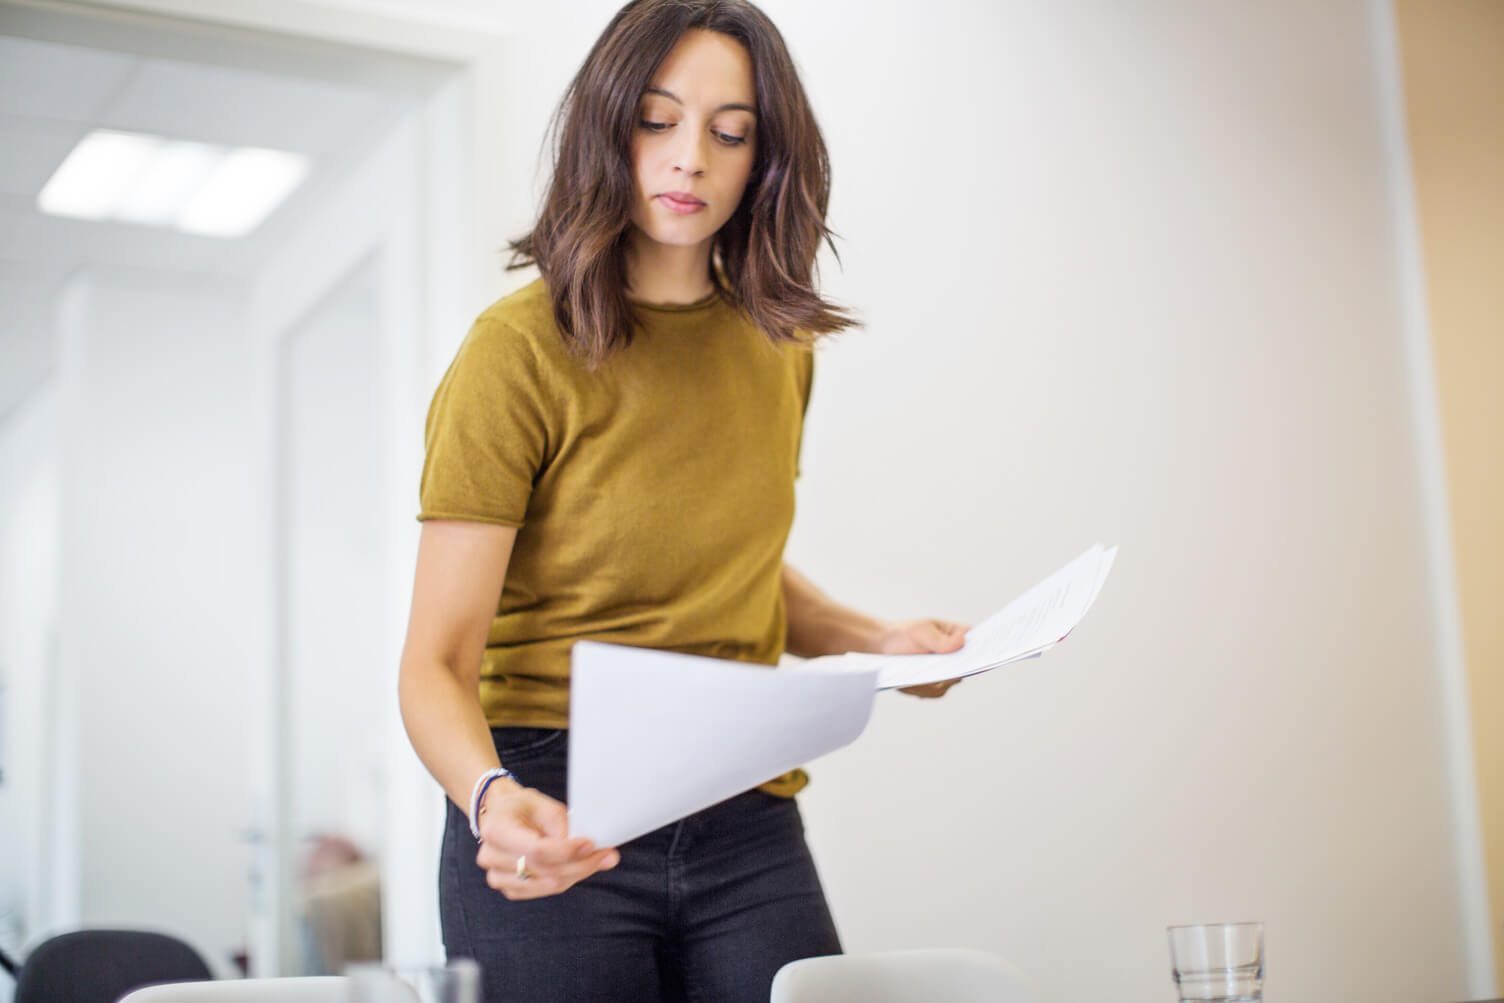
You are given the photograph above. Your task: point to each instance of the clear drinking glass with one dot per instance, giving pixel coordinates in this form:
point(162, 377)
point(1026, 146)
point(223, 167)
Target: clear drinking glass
point(457, 982)
point(1218, 962)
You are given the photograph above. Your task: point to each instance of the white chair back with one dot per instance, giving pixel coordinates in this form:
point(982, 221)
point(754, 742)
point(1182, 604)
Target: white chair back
point(930, 975)
point(312, 989)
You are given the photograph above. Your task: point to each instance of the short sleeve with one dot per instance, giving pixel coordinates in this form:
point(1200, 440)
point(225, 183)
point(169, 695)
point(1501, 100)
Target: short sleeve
point(806, 372)
point(487, 431)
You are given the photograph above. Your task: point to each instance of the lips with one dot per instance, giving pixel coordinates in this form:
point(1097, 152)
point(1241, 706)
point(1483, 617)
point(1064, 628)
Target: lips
point(683, 198)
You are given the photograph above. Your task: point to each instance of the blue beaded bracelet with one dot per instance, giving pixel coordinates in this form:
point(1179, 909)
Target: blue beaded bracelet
point(478, 795)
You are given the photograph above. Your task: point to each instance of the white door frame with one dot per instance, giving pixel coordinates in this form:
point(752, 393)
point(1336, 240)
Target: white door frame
point(411, 240)
point(434, 270)
point(436, 267)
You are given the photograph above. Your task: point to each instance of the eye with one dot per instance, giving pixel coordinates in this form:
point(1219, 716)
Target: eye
point(725, 138)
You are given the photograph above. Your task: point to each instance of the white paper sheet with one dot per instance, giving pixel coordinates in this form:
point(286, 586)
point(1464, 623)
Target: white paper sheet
point(1028, 626)
point(655, 736)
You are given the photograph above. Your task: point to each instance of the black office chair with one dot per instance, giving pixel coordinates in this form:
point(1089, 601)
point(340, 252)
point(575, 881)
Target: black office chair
point(100, 966)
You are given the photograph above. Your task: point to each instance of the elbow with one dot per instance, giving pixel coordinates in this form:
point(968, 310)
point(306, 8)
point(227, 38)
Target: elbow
point(419, 676)
point(407, 688)
point(416, 677)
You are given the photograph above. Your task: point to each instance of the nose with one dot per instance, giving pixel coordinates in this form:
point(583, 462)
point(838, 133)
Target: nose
point(690, 156)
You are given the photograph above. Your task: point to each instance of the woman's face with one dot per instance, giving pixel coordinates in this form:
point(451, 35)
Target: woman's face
point(695, 138)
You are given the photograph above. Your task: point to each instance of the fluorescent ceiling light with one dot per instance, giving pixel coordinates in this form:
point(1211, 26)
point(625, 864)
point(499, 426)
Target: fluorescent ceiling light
point(195, 187)
point(94, 177)
point(169, 180)
point(245, 187)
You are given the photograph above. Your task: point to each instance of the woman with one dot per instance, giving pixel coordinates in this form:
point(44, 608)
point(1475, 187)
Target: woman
point(612, 453)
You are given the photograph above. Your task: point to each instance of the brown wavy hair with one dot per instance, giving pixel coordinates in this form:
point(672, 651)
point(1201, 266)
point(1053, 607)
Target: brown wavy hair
point(762, 259)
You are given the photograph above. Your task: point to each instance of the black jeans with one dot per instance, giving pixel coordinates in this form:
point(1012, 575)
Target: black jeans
point(707, 908)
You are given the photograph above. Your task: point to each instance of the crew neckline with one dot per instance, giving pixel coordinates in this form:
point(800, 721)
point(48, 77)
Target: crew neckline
point(699, 304)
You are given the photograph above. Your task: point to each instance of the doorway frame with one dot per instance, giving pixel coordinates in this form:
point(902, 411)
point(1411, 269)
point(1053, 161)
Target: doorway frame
point(435, 269)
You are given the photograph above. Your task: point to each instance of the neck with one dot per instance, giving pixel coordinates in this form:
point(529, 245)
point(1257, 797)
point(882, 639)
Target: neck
point(667, 273)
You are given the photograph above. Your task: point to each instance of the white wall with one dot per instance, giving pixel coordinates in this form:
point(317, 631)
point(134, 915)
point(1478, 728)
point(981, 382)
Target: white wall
point(157, 574)
point(28, 299)
point(335, 665)
point(1129, 272)
point(28, 609)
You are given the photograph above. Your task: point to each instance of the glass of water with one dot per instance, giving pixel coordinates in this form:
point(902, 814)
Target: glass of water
point(1218, 962)
point(457, 982)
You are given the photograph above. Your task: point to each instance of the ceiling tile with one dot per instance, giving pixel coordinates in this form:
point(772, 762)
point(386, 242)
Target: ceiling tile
point(242, 108)
point(64, 82)
point(51, 241)
point(33, 150)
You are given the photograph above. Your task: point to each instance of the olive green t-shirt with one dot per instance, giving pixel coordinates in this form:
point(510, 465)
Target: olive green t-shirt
point(653, 496)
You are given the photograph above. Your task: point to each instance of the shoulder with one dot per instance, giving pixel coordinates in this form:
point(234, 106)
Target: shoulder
point(527, 310)
point(521, 318)
point(518, 330)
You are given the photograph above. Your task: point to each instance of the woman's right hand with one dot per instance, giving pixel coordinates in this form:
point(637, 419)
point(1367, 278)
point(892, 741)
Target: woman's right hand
point(519, 822)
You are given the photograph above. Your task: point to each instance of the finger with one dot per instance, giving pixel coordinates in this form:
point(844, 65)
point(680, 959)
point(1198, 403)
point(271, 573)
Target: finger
point(504, 856)
point(510, 820)
point(514, 872)
point(938, 636)
point(551, 854)
point(550, 816)
point(573, 873)
point(531, 816)
point(932, 635)
point(564, 861)
point(504, 838)
point(951, 631)
point(955, 633)
point(543, 855)
point(930, 691)
point(538, 884)
point(534, 886)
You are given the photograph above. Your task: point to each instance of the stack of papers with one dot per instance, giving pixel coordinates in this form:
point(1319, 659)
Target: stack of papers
point(656, 735)
point(1027, 627)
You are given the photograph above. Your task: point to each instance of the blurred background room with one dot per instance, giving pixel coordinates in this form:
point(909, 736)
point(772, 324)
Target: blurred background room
point(1219, 282)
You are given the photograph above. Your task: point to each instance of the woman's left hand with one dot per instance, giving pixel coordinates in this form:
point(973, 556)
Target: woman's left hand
point(918, 637)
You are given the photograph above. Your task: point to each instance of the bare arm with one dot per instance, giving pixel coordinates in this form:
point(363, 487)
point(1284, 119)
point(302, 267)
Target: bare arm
point(818, 625)
point(461, 568)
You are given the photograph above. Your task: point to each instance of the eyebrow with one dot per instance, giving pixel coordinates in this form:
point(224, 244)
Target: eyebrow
point(733, 106)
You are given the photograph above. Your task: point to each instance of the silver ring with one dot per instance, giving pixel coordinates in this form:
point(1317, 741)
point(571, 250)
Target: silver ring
point(522, 872)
